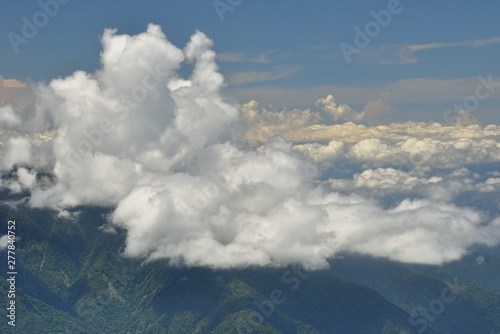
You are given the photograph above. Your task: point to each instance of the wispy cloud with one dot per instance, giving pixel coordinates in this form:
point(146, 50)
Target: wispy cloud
point(241, 78)
point(261, 57)
point(235, 57)
point(230, 57)
point(406, 54)
point(322, 47)
point(474, 43)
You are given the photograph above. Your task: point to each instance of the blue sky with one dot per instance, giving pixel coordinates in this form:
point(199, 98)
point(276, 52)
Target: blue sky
point(287, 53)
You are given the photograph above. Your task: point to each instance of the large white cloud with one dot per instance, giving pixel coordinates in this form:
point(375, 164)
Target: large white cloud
point(165, 152)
